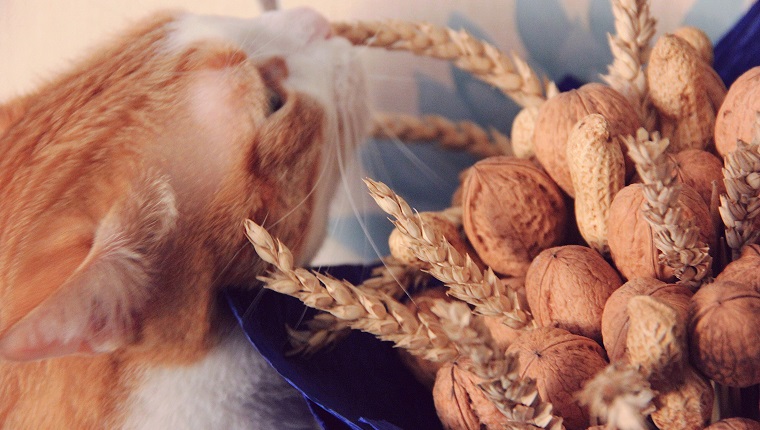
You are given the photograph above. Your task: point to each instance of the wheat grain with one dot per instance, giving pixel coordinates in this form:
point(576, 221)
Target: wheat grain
point(741, 203)
point(371, 311)
point(462, 135)
point(324, 330)
point(618, 396)
point(513, 77)
point(460, 274)
point(676, 237)
point(630, 46)
point(515, 397)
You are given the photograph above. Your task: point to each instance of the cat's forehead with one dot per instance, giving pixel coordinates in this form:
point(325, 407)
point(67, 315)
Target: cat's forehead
point(279, 33)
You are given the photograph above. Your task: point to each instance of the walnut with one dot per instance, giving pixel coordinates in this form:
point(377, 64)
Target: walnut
point(738, 113)
point(567, 287)
point(723, 333)
point(561, 363)
point(558, 115)
point(615, 318)
point(630, 236)
point(512, 211)
point(459, 401)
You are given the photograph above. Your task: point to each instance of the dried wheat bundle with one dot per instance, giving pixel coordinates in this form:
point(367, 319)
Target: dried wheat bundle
point(392, 278)
point(630, 46)
point(620, 397)
point(675, 237)
point(465, 281)
point(462, 135)
point(367, 310)
point(515, 397)
point(741, 203)
point(513, 77)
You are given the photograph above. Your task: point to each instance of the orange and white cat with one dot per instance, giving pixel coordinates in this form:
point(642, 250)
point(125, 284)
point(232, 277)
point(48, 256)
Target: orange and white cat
point(123, 188)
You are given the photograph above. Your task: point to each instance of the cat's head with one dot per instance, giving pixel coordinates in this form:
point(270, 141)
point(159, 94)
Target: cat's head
point(124, 183)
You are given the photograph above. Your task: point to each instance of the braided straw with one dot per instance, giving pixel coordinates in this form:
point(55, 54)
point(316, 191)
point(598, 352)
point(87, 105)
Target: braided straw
point(463, 135)
point(513, 77)
point(676, 237)
point(634, 27)
point(461, 275)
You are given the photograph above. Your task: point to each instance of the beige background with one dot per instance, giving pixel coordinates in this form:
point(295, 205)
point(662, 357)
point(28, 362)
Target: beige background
point(40, 37)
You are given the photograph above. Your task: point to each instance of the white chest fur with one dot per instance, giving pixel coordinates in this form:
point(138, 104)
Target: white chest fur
point(232, 388)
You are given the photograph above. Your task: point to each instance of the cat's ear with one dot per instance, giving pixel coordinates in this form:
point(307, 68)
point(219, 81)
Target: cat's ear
point(90, 306)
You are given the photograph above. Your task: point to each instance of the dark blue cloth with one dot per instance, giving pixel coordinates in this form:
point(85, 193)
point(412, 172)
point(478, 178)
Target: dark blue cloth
point(358, 384)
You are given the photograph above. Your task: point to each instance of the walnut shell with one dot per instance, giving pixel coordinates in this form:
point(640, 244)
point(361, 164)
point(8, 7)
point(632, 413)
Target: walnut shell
point(698, 169)
point(561, 363)
point(734, 424)
point(630, 236)
point(615, 319)
point(567, 287)
point(738, 113)
point(745, 269)
point(724, 317)
point(558, 115)
point(512, 211)
point(460, 403)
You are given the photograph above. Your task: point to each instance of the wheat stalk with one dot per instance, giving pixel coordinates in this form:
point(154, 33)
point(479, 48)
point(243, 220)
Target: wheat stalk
point(515, 397)
point(460, 274)
point(392, 278)
point(620, 397)
point(513, 77)
point(741, 203)
point(630, 46)
point(462, 135)
point(676, 237)
point(371, 311)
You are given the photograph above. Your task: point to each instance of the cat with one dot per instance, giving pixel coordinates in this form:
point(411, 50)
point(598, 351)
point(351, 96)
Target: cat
point(124, 185)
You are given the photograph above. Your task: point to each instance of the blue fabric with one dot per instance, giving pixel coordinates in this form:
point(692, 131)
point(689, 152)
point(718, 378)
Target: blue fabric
point(360, 383)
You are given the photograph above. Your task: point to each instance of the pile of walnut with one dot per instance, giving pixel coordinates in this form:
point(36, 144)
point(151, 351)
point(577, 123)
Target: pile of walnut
point(562, 223)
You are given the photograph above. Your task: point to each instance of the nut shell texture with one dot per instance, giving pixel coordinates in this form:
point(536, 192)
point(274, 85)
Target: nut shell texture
point(738, 113)
point(512, 212)
point(615, 319)
point(558, 115)
point(723, 333)
point(630, 236)
point(561, 363)
point(567, 287)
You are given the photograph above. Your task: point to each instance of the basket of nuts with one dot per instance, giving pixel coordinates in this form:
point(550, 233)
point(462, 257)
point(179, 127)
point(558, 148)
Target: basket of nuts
point(599, 268)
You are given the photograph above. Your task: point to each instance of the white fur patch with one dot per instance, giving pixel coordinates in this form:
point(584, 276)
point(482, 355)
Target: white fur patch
point(232, 388)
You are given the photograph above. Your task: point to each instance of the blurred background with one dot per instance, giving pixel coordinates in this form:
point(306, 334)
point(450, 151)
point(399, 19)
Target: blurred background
point(566, 40)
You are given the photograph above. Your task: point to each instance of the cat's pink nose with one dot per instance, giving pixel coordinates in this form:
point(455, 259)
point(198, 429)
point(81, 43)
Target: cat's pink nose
point(311, 22)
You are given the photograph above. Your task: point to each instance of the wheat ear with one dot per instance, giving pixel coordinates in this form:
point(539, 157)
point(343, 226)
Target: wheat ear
point(513, 77)
point(392, 278)
point(515, 397)
point(371, 311)
point(630, 46)
point(620, 397)
point(676, 237)
point(460, 274)
point(741, 203)
point(462, 135)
